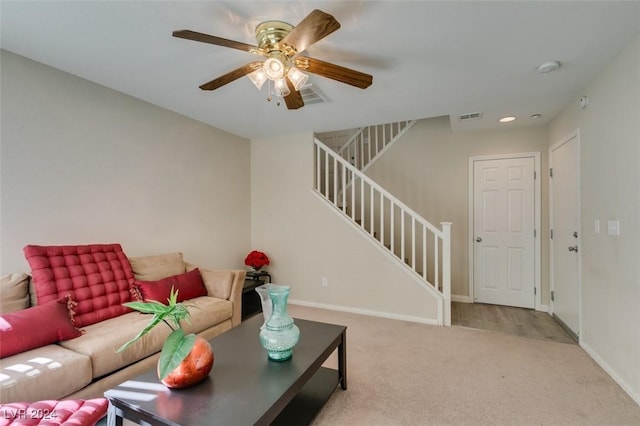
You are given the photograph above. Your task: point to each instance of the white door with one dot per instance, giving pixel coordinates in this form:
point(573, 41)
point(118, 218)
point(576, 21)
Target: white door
point(564, 187)
point(503, 231)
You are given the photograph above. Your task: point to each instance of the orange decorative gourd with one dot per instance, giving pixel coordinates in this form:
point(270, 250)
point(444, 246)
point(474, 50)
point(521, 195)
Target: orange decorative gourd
point(194, 368)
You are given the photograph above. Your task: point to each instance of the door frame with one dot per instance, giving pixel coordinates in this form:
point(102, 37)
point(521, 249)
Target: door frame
point(536, 220)
point(573, 134)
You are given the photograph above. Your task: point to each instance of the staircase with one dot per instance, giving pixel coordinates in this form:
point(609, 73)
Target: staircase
point(369, 143)
point(419, 247)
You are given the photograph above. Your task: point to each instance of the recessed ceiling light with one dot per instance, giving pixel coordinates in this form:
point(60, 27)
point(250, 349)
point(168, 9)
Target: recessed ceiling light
point(536, 116)
point(548, 66)
point(507, 119)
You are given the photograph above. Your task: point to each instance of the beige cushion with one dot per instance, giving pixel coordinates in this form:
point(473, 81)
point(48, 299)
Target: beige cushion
point(152, 268)
point(206, 312)
point(14, 292)
point(218, 282)
point(48, 372)
point(101, 340)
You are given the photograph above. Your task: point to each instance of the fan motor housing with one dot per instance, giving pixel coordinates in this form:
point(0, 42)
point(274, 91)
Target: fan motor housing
point(270, 33)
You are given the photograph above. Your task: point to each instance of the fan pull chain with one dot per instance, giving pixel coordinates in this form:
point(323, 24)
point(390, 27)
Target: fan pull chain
point(271, 92)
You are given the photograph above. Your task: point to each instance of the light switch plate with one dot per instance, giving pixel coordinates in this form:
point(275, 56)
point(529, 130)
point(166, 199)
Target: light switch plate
point(596, 226)
point(613, 227)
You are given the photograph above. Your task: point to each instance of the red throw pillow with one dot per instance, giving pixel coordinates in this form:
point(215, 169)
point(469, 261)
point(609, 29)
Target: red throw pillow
point(31, 328)
point(189, 286)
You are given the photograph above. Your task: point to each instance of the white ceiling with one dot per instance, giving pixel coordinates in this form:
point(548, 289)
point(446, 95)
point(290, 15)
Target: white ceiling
point(427, 58)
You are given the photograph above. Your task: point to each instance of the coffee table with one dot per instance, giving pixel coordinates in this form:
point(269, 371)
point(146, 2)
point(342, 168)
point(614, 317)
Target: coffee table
point(244, 387)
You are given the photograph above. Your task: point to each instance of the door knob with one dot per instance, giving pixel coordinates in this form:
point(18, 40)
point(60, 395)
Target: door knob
point(478, 239)
point(574, 248)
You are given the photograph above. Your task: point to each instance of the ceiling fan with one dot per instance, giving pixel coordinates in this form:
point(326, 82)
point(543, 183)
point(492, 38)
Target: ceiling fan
point(281, 43)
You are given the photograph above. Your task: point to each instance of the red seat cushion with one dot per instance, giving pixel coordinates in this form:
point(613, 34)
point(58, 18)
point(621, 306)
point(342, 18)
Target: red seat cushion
point(69, 412)
point(96, 276)
point(189, 285)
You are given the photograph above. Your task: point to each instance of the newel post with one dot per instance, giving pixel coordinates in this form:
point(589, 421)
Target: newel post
point(446, 271)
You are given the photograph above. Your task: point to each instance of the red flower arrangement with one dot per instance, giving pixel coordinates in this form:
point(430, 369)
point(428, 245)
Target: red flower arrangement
point(256, 259)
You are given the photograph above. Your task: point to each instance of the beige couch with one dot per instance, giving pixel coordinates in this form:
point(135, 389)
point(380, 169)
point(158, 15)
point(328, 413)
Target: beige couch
point(87, 366)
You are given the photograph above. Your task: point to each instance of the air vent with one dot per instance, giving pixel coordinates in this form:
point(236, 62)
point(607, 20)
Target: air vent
point(312, 95)
point(470, 116)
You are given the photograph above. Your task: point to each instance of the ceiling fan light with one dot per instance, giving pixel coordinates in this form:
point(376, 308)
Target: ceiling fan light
point(258, 77)
point(281, 88)
point(297, 77)
point(274, 68)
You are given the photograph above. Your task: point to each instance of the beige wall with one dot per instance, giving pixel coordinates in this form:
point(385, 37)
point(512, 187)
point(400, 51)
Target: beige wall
point(82, 164)
point(306, 240)
point(427, 169)
point(610, 178)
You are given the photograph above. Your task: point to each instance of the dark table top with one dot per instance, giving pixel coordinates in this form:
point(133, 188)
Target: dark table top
point(244, 387)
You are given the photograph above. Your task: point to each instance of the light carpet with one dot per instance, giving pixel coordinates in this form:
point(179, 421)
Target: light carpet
point(404, 373)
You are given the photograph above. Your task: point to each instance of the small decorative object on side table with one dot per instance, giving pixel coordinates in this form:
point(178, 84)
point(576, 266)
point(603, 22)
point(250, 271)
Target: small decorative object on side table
point(256, 259)
point(256, 277)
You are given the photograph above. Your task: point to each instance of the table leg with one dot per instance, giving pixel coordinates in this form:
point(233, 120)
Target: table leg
point(342, 361)
point(113, 416)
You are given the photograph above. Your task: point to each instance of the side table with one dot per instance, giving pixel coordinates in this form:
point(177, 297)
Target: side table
point(251, 304)
point(259, 275)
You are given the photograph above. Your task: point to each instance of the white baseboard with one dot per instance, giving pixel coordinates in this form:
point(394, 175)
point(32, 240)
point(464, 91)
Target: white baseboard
point(360, 311)
point(611, 372)
point(461, 298)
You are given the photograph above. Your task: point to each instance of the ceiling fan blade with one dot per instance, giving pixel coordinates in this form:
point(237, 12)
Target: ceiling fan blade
point(219, 41)
point(231, 76)
point(314, 27)
point(335, 72)
point(293, 99)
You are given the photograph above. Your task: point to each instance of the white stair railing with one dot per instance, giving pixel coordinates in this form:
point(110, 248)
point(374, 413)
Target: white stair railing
point(420, 247)
point(369, 143)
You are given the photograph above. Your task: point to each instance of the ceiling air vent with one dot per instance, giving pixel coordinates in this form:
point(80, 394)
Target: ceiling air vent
point(470, 116)
point(312, 95)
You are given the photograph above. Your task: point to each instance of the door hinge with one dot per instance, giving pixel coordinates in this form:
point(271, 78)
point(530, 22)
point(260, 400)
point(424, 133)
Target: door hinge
point(551, 234)
point(535, 175)
point(535, 291)
point(553, 296)
point(550, 172)
point(535, 233)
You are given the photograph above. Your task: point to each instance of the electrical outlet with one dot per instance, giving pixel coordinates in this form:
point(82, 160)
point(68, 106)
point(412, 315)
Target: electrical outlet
point(324, 282)
point(613, 227)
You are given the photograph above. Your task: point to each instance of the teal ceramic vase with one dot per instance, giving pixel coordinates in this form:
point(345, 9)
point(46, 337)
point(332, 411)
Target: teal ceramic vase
point(279, 334)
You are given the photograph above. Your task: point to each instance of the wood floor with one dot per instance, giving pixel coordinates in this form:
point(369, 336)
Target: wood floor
point(506, 319)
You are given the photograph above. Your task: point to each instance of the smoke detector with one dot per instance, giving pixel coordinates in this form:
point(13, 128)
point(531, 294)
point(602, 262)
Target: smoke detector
point(548, 67)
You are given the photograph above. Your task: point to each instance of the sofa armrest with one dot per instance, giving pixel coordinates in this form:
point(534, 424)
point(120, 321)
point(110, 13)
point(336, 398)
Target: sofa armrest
point(225, 284)
point(14, 292)
point(236, 296)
